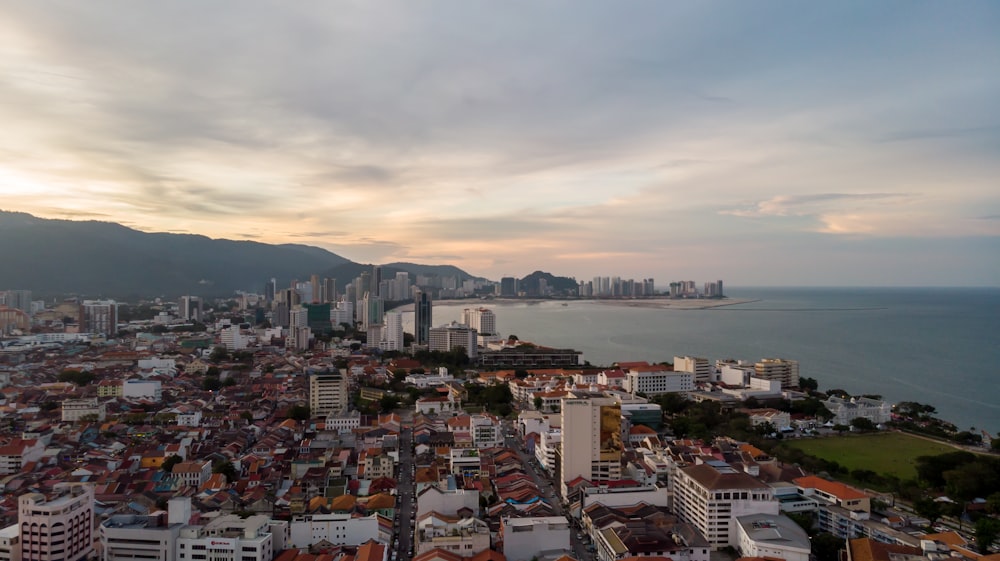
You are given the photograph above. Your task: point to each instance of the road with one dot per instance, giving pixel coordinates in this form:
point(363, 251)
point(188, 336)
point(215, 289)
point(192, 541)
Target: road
point(406, 510)
point(549, 492)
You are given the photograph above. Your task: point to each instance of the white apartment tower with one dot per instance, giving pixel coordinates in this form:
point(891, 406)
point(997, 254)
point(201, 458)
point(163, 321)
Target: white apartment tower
point(327, 392)
point(591, 440)
point(698, 366)
point(392, 332)
point(483, 320)
point(454, 335)
point(60, 526)
point(783, 370)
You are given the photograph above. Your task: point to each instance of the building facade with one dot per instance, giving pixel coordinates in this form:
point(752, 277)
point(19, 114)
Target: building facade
point(591, 440)
point(59, 526)
point(328, 392)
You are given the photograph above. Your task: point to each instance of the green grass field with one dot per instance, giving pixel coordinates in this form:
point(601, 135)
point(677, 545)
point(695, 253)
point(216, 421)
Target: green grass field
point(887, 453)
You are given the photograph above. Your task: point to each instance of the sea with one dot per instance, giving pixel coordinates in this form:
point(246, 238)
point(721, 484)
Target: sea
point(939, 346)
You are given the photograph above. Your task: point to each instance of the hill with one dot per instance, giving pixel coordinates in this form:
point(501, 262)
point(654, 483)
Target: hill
point(104, 259)
point(557, 286)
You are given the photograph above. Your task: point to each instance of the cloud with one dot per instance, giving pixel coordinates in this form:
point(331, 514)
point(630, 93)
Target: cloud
point(809, 205)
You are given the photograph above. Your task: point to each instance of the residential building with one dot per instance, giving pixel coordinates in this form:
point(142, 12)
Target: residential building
point(392, 332)
point(189, 308)
point(783, 370)
point(772, 537)
point(713, 494)
point(18, 452)
point(655, 380)
point(58, 526)
point(193, 473)
point(523, 539)
point(454, 335)
point(465, 536)
point(328, 392)
point(142, 389)
point(100, 317)
point(486, 431)
point(10, 543)
point(452, 502)
point(698, 366)
point(336, 528)
point(126, 537)
point(591, 440)
point(75, 409)
point(483, 320)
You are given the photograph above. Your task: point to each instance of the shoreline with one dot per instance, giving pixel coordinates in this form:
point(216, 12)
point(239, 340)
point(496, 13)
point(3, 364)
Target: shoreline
point(651, 303)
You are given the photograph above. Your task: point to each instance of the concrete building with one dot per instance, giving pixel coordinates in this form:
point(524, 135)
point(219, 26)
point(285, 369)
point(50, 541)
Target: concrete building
point(698, 366)
point(712, 495)
point(483, 320)
point(336, 528)
point(75, 409)
point(127, 537)
point(447, 501)
point(449, 337)
point(229, 538)
point(189, 308)
point(772, 537)
point(142, 389)
point(464, 536)
point(591, 440)
point(233, 338)
point(58, 526)
point(10, 543)
point(100, 317)
point(392, 332)
point(549, 442)
point(846, 410)
point(655, 380)
point(523, 539)
point(18, 452)
point(783, 370)
point(422, 317)
point(328, 392)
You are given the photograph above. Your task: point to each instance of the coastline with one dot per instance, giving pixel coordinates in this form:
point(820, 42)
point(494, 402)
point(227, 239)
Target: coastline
point(651, 303)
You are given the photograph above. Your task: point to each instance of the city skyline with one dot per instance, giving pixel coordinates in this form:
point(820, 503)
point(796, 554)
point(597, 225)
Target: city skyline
point(767, 144)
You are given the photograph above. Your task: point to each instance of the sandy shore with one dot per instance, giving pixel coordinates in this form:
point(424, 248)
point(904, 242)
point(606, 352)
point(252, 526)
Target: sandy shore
point(655, 303)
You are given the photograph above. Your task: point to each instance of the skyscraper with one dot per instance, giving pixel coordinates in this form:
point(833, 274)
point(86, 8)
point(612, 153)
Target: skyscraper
point(421, 318)
point(329, 290)
point(100, 316)
point(392, 333)
point(190, 308)
point(375, 281)
point(316, 289)
point(483, 320)
point(591, 440)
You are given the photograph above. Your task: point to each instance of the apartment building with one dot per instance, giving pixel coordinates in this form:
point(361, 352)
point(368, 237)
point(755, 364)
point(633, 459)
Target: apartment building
point(655, 380)
point(523, 539)
point(57, 526)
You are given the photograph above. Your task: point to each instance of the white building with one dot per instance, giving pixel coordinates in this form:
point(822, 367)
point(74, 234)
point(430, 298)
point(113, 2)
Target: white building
point(547, 446)
point(298, 338)
point(591, 440)
point(447, 501)
point(772, 537)
point(423, 381)
point(338, 529)
point(126, 537)
point(392, 332)
point(59, 526)
point(712, 495)
point(193, 473)
point(328, 392)
point(142, 389)
point(783, 370)
point(846, 410)
point(432, 405)
point(10, 543)
point(524, 539)
point(464, 536)
point(229, 538)
point(233, 339)
point(75, 409)
point(452, 336)
point(343, 421)
point(486, 431)
point(698, 366)
point(18, 452)
point(655, 380)
point(484, 321)
point(189, 419)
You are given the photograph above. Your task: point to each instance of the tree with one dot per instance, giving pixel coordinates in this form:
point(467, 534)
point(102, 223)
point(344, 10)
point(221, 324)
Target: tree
point(826, 547)
point(218, 354)
point(840, 428)
point(388, 402)
point(995, 444)
point(863, 425)
point(299, 413)
point(76, 377)
point(765, 429)
point(226, 468)
point(230, 382)
point(211, 384)
point(538, 402)
point(169, 463)
point(808, 384)
point(929, 509)
point(987, 531)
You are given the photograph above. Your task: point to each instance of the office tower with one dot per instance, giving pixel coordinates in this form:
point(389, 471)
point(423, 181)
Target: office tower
point(591, 440)
point(392, 332)
point(100, 316)
point(327, 392)
point(783, 370)
point(316, 289)
point(190, 308)
point(298, 338)
point(362, 286)
point(422, 317)
point(59, 525)
point(483, 320)
point(329, 290)
point(719, 287)
point(449, 337)
point(298, 317)
point(508, 287)
point(270, 290)
point(282, 315)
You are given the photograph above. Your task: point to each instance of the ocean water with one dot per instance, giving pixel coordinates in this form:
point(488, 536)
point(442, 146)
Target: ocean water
point(932, 345)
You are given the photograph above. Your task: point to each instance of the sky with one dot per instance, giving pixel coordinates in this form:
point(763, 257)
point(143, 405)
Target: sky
point(764, 143)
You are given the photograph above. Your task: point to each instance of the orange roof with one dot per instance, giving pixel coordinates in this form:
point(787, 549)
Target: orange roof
point(343, 502)
point(370, 551)
point(835, 488)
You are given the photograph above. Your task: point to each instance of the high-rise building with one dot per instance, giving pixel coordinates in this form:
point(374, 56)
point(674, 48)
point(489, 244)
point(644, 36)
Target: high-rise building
point(57, 526)
point(100, 316)
point(449, 337)
point(189, 308)
point(508, 287)
point(317, 289)
point(591, 440)
point(483, 320)
point(270, 290)
point(422, 317)
point(392, 333)
point(698, 366)
point(327, 392)
point(17, 299)
point(329, 290)
point(375, 281)
point(783, 370)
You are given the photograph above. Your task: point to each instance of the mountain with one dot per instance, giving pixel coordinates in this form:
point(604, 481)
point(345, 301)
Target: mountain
point(104, 259)
point(52, 257)
point(557, 286)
